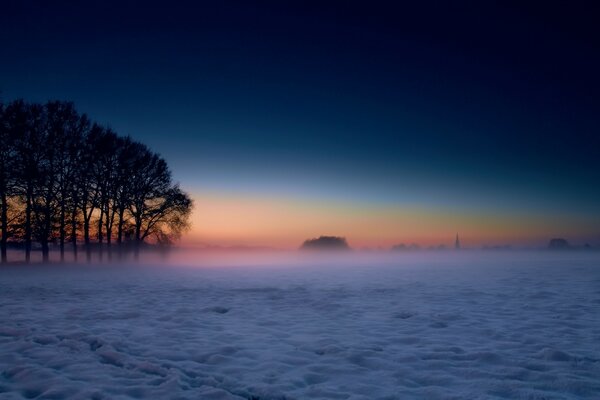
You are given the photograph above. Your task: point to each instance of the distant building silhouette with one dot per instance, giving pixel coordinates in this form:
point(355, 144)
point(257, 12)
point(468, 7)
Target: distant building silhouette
point(457, 243)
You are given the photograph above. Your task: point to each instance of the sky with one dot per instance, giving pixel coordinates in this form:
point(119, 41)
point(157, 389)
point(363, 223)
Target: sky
point(384, 122)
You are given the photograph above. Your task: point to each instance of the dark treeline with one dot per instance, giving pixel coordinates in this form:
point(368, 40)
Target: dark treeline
point(68, 181)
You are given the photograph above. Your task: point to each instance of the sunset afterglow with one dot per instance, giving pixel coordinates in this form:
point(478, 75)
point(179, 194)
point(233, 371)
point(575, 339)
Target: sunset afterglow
point(242, 219)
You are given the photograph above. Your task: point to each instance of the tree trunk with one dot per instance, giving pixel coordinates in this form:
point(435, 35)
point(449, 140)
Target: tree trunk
point(86, 235)
point(4, 222)
point(28, 208)
point(74, 232)
point(120, 231)
point(109, 225)
point(109, 245)
point(100, 219)
point(45, 251)
point(47, 230)
point(63, 230)
point(138, 239)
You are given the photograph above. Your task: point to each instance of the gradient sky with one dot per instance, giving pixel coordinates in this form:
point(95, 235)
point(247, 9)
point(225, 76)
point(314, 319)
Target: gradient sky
point(382, 123)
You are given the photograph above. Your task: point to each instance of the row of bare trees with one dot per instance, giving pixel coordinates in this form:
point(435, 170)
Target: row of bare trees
point(68, 181)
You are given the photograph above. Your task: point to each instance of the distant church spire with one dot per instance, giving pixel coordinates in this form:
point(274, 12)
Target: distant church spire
point(457, 243)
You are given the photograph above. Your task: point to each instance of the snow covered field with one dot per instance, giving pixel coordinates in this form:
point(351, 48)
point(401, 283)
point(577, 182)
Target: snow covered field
point(438, 326)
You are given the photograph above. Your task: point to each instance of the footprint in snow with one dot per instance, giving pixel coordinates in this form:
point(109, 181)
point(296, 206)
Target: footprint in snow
point(219, 310)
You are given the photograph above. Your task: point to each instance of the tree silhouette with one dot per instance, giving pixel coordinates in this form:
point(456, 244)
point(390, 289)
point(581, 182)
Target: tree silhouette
point(7, 156)
point(325, 243)
point(64, 178)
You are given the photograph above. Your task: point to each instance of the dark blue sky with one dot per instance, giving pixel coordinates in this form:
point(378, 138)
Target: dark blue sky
point(466, 106)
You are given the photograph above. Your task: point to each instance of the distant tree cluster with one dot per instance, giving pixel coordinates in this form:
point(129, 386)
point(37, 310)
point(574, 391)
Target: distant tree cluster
point(558, 244)
point(325, 243)
point(69, 181)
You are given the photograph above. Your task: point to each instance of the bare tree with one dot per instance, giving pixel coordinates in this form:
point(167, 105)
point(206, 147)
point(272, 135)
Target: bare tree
point(104, 171)
point(26, 123)
point(69, 127)
point(168, 217)
point(87, 185)
point(159, 209)
point(126, 162)
point(59, 172)
point(7, 157)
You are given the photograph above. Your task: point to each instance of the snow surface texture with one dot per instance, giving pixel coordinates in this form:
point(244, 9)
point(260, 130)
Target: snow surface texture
point(476, 327)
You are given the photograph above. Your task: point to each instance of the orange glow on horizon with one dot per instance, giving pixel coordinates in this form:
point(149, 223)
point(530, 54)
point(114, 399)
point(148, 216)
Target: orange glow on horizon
point(248, 220)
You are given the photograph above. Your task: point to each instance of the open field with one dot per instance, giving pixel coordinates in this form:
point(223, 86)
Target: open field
point(492, 326)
